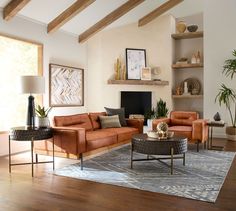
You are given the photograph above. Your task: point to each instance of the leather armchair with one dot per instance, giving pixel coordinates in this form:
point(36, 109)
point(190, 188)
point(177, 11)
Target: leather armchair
point(188, 124)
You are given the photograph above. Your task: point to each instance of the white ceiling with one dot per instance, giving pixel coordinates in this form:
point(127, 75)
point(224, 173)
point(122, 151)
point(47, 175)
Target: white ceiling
point(44, 11)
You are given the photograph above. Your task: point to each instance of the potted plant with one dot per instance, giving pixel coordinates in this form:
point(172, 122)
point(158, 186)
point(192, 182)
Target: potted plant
point(149, 116)
point(42, 116)
point(227, 96)
point(161, 109)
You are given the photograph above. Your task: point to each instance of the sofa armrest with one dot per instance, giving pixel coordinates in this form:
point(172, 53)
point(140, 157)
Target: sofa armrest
point(200, 130)
point(72, 139)
point(137, 123)
point(155, 122)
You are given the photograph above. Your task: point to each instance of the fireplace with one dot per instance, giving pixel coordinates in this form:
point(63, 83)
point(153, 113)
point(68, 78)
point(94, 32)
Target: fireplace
point(136, 102)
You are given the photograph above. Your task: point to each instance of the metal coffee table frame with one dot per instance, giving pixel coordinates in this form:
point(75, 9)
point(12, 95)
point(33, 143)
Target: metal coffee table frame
point(143, 144)
point(23, 134)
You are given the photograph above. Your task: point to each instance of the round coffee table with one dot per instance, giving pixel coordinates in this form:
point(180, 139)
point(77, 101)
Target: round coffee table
point(143, 144)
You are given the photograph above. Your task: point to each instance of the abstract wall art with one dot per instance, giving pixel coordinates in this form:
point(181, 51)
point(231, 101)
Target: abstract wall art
point(66, 86)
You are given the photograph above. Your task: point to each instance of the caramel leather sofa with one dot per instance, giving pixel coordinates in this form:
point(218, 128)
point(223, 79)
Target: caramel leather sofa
point(187, 124)
point(75, 135)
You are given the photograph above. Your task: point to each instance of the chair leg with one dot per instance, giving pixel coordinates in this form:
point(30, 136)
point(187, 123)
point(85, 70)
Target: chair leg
point(80, 156)
point(198, 145)
point(81, 161)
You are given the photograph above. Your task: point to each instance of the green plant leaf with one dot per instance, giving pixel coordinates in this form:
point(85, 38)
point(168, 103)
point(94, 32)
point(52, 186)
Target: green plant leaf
point(229, 68)
point(41, 111)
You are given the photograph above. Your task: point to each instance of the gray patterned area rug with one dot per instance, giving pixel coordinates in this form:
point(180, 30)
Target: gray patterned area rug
point(201, 178)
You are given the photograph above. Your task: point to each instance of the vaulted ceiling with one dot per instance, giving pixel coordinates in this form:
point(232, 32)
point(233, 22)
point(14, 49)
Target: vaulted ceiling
point(78, 16)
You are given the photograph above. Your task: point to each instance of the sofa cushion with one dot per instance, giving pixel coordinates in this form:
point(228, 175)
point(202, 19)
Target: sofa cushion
point(77, 121)
point(99, 138)
point(183, 117)
point(123, 133)
point(182, 130)
point(94, 117)
point(117, 111)
point(110, 121)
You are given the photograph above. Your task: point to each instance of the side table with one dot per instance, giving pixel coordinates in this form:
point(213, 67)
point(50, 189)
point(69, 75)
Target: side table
point(211, 125)
point(24, 134)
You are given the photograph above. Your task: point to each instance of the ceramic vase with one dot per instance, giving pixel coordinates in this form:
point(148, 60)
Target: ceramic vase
point(181, 26)
point(42, 122)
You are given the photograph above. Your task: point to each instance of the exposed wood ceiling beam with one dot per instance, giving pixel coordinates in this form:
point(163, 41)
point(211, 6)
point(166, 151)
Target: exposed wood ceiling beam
point(158, 11)
point(110, 18)
point(68, 14)
point(13, 7)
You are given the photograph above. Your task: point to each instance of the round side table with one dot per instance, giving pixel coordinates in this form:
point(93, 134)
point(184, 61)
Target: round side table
point(24, 134)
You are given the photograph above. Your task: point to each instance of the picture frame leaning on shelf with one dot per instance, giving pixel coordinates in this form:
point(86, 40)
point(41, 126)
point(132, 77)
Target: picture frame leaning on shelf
point(135, 61)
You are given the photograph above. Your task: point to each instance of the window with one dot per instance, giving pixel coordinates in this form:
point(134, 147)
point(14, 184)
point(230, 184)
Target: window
point(17, 58)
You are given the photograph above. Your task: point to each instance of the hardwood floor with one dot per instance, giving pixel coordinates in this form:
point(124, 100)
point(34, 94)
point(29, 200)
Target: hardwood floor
point(45, 191)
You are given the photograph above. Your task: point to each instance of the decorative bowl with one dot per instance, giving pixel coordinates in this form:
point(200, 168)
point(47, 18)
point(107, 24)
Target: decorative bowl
point(152, 134)
point(171, 134)
point(192, 28)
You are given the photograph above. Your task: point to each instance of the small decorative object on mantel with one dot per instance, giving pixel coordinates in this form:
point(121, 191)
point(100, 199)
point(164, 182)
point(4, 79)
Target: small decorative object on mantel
point(117, 68)
point(155, 72)
point(123, 73)
point(181, 26)
point(217, 117)
point(146, 73)
point(192, 28)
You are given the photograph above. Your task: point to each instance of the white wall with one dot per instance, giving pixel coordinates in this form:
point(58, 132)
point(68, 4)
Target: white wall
point(59, 48)
point(105, 47)
point(219, 41)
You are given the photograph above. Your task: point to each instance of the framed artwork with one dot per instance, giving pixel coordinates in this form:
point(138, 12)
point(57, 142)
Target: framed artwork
point(146, 73)
point(135, 61)
point(66, 86)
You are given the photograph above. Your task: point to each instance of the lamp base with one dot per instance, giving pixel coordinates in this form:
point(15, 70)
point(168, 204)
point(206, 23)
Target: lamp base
point(30, 113)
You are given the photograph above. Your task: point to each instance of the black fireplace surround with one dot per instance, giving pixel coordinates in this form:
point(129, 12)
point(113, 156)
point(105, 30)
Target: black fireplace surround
point(136, 102)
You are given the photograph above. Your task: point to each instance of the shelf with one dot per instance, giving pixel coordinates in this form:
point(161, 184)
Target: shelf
point(187, 35)
point(138, 82)
point(187, 96)
point(180, 66)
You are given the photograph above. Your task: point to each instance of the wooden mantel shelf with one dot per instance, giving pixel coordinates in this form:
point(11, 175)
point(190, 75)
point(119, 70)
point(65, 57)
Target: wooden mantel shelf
point(138, 82)
point(187, 35)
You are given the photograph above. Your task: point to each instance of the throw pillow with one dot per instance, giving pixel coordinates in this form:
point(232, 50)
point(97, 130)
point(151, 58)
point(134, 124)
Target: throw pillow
point(109, 121)
point(117, 111)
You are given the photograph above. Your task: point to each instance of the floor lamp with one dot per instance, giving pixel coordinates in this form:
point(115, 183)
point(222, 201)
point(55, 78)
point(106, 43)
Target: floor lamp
point(31, 85)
